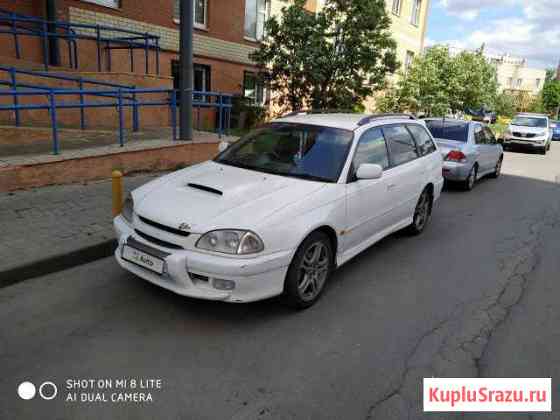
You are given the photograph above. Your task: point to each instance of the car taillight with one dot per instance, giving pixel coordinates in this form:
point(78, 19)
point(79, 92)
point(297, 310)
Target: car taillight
point(456, 156)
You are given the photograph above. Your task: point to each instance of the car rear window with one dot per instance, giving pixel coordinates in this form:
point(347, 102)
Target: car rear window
point(449, 130)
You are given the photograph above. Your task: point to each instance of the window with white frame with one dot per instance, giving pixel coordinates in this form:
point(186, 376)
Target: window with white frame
point(254, 89)
point(519, 82)
point(115, 4)
point(538, 83)
point(200, 13)
point(510, 81)
point(256, 15)
point(416, 8)
point(397, 7)
point(408, 60)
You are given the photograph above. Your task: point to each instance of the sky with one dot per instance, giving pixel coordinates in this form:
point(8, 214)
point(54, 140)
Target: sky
point(525, 28)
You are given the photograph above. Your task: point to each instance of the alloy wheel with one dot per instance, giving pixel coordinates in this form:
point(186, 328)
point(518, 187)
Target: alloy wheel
point(422, 212)
point(313, 272)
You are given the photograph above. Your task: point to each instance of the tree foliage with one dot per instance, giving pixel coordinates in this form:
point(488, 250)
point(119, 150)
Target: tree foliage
point(333, 59)
point(551, 96)
point(438, 82)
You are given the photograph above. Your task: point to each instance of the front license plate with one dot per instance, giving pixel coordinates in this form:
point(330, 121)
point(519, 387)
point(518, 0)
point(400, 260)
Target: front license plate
point(143, 259)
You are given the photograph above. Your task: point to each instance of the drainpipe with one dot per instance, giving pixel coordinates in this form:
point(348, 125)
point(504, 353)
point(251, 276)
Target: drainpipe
point(54, 53)
point(186, 70)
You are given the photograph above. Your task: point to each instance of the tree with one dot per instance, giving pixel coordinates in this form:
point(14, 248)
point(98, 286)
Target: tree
point(333, 59)
point(438, 82)
point(551, 96)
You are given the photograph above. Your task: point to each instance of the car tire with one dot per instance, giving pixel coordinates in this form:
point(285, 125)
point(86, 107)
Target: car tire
point(468, 184)
point(422, 213)
point(498, 168)
point(309, 271)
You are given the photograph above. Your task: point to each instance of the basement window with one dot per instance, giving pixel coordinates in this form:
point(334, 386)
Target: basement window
point(253, 88)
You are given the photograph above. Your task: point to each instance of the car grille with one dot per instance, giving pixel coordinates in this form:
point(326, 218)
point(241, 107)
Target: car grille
point(157, 241)
point(524, 135)
point(163, 227)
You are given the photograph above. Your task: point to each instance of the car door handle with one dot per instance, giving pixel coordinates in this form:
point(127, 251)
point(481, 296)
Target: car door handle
point(391, 186)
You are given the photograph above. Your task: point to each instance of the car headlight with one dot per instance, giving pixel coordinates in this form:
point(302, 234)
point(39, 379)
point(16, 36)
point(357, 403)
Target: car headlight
point(542, 133)
point(239, 242)
point(128, 208)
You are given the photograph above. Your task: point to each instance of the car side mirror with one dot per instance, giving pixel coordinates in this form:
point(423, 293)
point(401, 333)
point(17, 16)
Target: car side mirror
point(369, 171)
point(223, 146)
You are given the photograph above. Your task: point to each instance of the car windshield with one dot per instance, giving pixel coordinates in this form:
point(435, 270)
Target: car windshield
point(296, 150)
point(529, 122)
point(449, 130)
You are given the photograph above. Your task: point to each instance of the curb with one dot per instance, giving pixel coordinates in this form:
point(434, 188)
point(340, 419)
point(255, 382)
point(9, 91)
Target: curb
point(57, 263)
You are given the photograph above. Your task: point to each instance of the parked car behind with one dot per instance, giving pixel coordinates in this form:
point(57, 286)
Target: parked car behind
point(278, 210)
point(483, 115)
point(469, 149)
point(529, 131)
point(555, 125)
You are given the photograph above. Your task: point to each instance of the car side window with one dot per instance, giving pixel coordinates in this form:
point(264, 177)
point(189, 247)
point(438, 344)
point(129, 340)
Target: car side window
point(490, 138)
point(371, 149)
point(402, 147)
point(479, 137)
point(423, 140)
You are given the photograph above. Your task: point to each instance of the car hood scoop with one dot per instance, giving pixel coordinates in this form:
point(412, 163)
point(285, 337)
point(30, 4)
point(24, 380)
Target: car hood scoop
point(212, 196)
point(205, 188)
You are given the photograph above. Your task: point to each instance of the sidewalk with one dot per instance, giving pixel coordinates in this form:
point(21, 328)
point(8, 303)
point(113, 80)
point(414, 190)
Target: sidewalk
point(52, 228)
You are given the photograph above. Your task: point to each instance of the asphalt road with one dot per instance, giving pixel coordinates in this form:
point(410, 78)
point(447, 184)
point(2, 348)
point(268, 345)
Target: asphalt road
point(476, 295)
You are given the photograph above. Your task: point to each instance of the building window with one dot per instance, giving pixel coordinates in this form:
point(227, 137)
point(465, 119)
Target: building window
point(253, 88)
point(538, 83)
point(416, 8)
point(256, 14)
point(510, 82)
point(200, 13)
point(397, 7)
point(201, 79)
point(519, 82)
point(115, 4)
point(408, 60)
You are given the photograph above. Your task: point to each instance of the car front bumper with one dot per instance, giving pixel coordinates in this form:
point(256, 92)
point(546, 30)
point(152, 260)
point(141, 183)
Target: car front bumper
point(456, 171)
point(185, 271)
point(529, 144)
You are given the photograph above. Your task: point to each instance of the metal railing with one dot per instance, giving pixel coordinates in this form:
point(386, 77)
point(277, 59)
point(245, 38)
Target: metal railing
point(107, 38)
point(221, 102)
point(81, 83)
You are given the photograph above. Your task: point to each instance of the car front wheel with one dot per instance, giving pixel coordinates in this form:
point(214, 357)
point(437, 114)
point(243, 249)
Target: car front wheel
point(309, 271)
point(498, 168)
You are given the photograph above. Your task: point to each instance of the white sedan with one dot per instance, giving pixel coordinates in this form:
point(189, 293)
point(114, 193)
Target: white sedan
point(279, 210)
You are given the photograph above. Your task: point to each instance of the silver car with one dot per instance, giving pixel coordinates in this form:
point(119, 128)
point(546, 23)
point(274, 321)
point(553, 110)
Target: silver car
point(470, 150)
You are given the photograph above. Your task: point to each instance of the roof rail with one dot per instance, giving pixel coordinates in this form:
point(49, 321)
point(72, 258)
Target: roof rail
point(373, 117)
point(318, 111)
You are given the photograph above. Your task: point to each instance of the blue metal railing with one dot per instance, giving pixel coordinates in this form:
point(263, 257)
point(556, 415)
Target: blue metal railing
point(221, 102)
point(105, 37)
point(81, 83)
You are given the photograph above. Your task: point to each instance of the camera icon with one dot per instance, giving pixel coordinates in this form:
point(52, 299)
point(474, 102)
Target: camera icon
point(47, 390)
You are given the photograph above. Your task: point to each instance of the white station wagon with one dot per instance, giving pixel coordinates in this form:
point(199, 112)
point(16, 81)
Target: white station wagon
point(276, 212)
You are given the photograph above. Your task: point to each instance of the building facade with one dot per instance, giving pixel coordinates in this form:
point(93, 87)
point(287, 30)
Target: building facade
point(226, 32)
point(515, 76)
